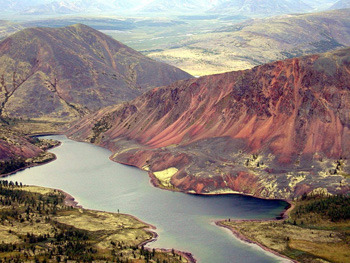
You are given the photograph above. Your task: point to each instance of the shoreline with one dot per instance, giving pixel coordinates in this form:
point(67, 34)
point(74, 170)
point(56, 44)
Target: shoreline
point(240, 236)
point(69, 200)
point(32, 164)
point(154, 182)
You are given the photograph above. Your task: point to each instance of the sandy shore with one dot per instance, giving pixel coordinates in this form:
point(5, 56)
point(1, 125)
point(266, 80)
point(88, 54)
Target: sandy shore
point(239, 235)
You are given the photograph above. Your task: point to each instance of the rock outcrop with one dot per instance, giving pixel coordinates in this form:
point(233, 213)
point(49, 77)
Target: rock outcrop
point(278, 130)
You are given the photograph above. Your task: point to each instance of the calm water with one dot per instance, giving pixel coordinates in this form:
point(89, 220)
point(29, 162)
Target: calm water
point(183, 221)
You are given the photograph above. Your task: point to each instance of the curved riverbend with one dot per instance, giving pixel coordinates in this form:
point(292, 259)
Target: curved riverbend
point(183, 221)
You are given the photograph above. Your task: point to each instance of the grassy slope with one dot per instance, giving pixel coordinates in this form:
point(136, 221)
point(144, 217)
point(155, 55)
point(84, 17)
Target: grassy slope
point(311, 234)
point(258, 41)
point(36, 225)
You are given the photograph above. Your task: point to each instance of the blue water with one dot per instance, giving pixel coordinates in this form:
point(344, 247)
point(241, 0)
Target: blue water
point(184, 222)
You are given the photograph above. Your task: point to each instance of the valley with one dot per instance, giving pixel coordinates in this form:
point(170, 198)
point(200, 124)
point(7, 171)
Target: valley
point(235, 108)
point(215, 43)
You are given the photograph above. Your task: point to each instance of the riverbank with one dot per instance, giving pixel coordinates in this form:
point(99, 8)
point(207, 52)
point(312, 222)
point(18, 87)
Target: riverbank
point(300, 236)
point(69, 200)
point(284, 215)
point(43, 158)
point(101, 235)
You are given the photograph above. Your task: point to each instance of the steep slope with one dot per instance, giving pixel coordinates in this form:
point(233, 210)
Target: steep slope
point(277, 130)
point(259, 41)
point(18, 151)
point(64, 73)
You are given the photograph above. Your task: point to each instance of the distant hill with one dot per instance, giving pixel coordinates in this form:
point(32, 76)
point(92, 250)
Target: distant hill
point(51, 7)
point(64, 73)
point(261, 7)
point(7, 28)
point(76, 6)
point(180, 6)
point(319, 5)
point(278, 130)
point(190, 7)
point(341, 4)
point(259, 41)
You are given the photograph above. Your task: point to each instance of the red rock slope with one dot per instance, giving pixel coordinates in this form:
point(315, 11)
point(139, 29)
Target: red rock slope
point(278, 130)
point(18, 151)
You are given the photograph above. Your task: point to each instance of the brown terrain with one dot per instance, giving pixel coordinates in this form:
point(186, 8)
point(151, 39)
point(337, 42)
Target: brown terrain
point(276, 131)
point(258, 41)
point(18, 151)
point(60, 74)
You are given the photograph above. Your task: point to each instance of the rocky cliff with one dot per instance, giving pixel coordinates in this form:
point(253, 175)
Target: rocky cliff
point(278, 130)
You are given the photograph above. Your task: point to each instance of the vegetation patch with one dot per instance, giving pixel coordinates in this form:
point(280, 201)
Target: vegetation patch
point(36, 226)
point(318, 229)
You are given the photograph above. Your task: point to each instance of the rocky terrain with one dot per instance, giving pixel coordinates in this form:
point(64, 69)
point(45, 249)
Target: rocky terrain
point(276, 131)
point(18, 151)
point(60, 74)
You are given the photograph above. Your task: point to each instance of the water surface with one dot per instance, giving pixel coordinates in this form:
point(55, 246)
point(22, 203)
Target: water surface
point(184, 222)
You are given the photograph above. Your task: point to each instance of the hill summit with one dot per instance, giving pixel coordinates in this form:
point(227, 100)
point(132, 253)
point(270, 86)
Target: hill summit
point(64, 73)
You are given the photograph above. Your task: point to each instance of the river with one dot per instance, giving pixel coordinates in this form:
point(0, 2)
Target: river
point(183, 221)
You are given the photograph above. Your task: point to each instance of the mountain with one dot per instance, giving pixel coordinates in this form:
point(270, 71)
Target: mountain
point(50, 7)
point(19, 5)
point(320, 4)
point(180, 6)
point(276, 131)
point(259, 41)
point(7, 28)
point(79, 6)
point(341, 4)
point(260, 7)
point(222, 7)
point(59, 74)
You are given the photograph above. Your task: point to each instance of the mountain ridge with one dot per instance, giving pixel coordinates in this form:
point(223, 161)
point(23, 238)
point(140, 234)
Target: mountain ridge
point(251, 131)
point(76, 69)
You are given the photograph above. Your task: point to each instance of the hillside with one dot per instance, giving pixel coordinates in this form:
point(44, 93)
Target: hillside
point(18, 151)
point(59, 74)
point(276, 131)
point(258, 41)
